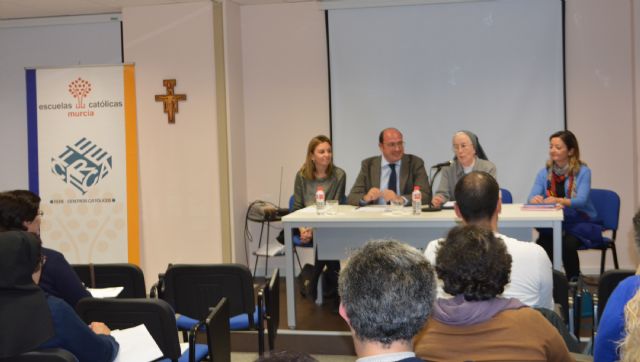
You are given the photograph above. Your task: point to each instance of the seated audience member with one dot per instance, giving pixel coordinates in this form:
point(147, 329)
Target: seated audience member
point(20, 210)
point(390, 176)
point(387, 291)
point(477, 325)
point(630, 345)
point(469, 156)
point(34, 320)
point(478, 203)
point(612, 323)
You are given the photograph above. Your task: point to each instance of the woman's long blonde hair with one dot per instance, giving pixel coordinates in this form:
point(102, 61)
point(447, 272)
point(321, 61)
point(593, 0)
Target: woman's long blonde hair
point(629, 347)
point(308, 169)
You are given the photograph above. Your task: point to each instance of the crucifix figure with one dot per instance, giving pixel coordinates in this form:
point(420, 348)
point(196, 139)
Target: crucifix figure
point(170, 99)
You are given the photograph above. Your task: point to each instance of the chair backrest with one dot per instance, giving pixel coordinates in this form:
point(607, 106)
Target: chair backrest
point(561, 293)
point(272, 301)
point(45, 355)
point(609, 280)
point(157, 316)
point(125, 275)
point(506, 196)
point(218, 332)
point(193, 289)
point(607, 204)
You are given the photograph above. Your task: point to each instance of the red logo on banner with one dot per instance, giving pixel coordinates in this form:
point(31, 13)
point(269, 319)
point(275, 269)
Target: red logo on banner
point(79, 89)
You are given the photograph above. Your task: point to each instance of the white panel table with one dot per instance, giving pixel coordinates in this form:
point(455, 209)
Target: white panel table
point(336, 236)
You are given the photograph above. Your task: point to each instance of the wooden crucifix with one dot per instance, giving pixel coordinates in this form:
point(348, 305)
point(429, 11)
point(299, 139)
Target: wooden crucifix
point(170, 99)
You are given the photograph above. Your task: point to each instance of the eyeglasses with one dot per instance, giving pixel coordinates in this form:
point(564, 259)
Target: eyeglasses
point(394, 144)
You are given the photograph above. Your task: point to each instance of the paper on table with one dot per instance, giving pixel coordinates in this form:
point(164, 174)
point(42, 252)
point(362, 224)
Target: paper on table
point(539, 207)
point(308, 210)
point(111, 292)
point(136, 345)
point(184, 346)
point(373, 208)
point(449, 205)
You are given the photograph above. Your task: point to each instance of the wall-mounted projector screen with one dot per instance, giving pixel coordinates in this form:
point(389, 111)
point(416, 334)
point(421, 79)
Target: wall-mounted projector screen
point(492, 67)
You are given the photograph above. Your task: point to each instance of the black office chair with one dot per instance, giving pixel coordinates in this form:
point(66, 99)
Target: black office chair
point(218, 333)
point(609, 280)
point(125, 275)
point(561, 295)
point(45, 355)
point(269, 305)
point(157, 316)
point(193, 289)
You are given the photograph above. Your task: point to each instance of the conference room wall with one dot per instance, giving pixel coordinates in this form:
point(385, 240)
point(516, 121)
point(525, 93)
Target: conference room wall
point(285, 98)
point(601, 106)
point(179, 170)
point(602, 113)
point(636, 77)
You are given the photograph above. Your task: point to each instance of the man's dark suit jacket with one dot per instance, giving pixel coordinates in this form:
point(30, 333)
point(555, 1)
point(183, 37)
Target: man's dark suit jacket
point(412, 173)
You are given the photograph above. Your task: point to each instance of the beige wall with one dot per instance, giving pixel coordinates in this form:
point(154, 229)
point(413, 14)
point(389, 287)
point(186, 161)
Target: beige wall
point(179, 172)
point(284, 65)
point(600, 75)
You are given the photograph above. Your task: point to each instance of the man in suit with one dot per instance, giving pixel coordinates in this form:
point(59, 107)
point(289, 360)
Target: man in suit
point(391, 175)
point(387, 290)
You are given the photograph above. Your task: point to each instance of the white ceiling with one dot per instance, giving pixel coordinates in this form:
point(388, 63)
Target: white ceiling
point(17, 9)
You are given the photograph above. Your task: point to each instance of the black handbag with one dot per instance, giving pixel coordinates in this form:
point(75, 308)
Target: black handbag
point(305, 280)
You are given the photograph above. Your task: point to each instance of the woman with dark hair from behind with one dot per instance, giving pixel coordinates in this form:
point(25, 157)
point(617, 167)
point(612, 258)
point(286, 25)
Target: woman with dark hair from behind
point(33, 320)
point(20, 210)
point(476, 324)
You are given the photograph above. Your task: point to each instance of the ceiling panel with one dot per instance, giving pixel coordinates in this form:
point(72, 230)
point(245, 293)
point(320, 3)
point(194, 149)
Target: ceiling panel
point(16, 9)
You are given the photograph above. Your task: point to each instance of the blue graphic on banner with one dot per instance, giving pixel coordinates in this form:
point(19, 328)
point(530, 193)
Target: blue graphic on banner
point(82, 165)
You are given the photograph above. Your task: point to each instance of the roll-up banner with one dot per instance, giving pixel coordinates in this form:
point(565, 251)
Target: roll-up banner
point(83, 160)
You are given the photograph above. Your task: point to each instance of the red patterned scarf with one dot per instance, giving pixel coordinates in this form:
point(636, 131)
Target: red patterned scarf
point(553, 179)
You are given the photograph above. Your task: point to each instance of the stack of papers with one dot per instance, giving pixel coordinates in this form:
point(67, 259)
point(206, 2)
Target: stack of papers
point(136, 345)
point(539, 207)
point(105, 292)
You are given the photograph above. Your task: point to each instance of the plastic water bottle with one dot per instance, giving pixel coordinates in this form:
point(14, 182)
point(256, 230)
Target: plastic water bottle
point(416, 200)
point(320, 201)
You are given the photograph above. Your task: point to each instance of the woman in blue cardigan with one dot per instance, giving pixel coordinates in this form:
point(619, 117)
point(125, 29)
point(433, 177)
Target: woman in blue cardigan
point(566, 182)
